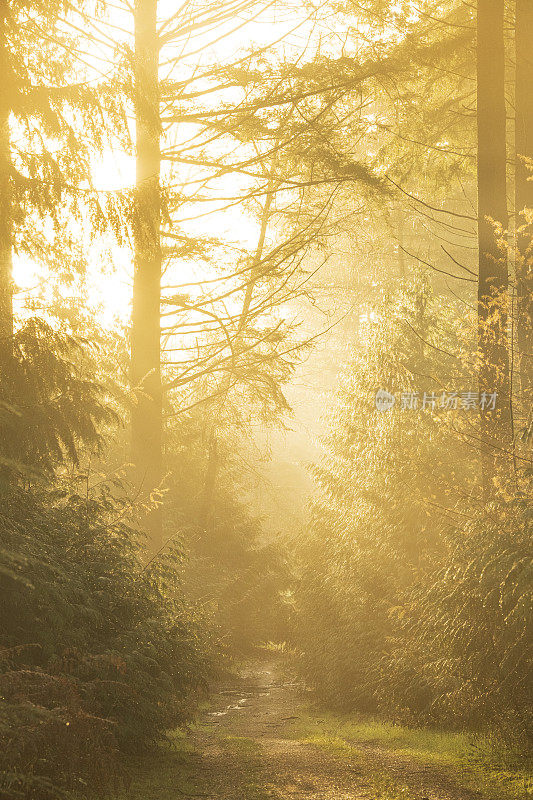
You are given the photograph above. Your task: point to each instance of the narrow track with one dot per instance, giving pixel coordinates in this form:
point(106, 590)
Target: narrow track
point(243, 750)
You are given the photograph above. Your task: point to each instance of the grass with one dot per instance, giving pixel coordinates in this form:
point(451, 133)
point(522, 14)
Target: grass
point(473, 763)
point(176, 768)
point(437, 746)
point(211, 761)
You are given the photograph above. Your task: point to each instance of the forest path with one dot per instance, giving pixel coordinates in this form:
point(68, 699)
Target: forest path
point(246, 746)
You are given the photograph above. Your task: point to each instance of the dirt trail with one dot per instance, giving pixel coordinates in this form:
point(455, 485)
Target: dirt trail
point(243, 752)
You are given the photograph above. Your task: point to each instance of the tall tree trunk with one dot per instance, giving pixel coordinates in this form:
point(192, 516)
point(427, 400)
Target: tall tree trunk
point(208, 498)
point(492, 209)
point(147, 424)
point(207, 503)
point(256, 271)
point(400, 235)
point(524, 192)
point(6, 210)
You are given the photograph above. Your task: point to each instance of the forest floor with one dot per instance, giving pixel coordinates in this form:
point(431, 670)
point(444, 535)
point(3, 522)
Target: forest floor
point(262, 739)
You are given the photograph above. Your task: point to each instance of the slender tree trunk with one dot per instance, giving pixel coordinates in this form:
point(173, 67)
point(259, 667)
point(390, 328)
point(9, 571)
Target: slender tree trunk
point(147, 425)
point(524, 193)
point(400, 230)
point(255, 271)
point(6, 213)
point(207, 504)
point(492, 210)
point(209, 492)
point(6, 210)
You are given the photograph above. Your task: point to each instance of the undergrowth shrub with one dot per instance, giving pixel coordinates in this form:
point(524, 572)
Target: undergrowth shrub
point(474, 624)
point(236, 570)
point(99, 653)
point(415, 595)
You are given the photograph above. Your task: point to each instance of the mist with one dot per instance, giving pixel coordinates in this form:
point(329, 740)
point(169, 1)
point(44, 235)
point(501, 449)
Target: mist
point(265, 402)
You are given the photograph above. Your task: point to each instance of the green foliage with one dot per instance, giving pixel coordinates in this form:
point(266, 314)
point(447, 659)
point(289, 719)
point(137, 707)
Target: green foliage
point(99, 653)
point(474, 623)
point(403, 607)
point(366, 544)
point(471, 762)
point(237, 572)
point(415, 596)
point(49, 405)
point(61, 116)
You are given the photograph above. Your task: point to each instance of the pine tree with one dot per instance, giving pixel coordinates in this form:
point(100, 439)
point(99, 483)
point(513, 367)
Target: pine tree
point(6, 213)
point(524, 191)
point(54, 117)
point(492, 224)
point(147, 420)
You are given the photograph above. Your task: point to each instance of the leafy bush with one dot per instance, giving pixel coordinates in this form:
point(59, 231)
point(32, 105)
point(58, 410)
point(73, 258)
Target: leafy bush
point(237, 572)
point(50, 403)
point(474, 624)
point(414, 598)
point(99, 653)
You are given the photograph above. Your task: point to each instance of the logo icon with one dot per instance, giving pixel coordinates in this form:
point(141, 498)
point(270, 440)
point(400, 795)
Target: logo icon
point(384, 400)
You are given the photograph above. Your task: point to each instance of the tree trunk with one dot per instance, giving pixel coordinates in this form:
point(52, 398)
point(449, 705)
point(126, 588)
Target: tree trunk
point(207, 504)
point(6, 210)
point(400, 231)
point(492, 210)
point(147, 424)
point(524, 193)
